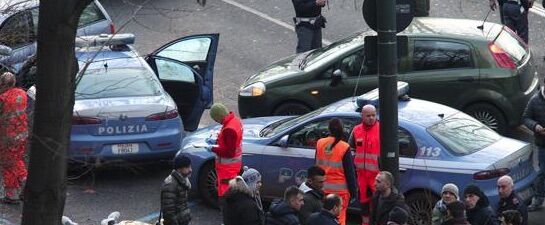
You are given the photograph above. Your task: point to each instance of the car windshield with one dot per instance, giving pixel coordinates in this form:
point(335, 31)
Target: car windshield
point(282, 125)
point(463, 134)
point(117, 82)
point(320, 53)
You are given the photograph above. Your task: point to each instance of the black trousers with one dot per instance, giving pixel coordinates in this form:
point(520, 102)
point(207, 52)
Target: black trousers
point(515, 19)
point(308, 38)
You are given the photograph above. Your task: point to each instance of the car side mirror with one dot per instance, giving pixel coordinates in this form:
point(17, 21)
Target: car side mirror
point(336, 77)
point(283, 142)
point(5, 50)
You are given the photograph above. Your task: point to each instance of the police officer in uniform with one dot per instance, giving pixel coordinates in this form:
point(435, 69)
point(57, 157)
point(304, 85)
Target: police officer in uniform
point(514, 14)
point(509, 200)
point(308, 23)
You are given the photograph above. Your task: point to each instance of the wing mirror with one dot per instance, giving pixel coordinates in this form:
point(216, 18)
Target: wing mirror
point(336, 77)
point(5, 50)
point(283, 142)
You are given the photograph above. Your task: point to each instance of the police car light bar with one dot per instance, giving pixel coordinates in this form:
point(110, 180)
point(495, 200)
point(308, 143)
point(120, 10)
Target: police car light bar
point(104, 39)
point(372, 98)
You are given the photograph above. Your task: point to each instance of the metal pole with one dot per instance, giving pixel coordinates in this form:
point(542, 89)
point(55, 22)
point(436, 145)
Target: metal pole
point(387, 83)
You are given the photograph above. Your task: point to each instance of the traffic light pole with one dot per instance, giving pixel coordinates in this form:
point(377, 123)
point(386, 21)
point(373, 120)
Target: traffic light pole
point(387, 83)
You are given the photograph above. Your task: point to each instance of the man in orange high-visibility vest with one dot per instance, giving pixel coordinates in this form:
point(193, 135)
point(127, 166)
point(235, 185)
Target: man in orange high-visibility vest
point(229, 146)
point(334, 156)
point(365, 139)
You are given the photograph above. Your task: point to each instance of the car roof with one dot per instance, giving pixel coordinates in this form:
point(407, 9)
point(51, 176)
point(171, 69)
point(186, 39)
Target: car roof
point(122, 57)
point(451, 27)
point(415, 111)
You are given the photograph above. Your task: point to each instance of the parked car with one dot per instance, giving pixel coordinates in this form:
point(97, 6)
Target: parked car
point(19, 27)
point(489, 73)
point(437, 145)
point(131, 108)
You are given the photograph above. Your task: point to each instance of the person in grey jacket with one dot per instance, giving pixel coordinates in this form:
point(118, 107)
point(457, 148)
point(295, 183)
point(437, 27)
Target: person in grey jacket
point(175, 193)
point(534, 119)
point(449, 194)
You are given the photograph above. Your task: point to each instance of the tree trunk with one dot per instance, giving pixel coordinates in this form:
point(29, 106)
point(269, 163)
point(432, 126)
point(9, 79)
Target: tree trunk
point(45, 190)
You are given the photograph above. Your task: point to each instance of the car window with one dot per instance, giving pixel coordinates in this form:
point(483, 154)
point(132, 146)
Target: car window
point(463, 134)
point(308, 135)
point(16, 31)
point(174, 71)
point(117, 82)
point(192, 50)
point(90, 14)
point(437, 55)
point(407, 145)
point(353, 64)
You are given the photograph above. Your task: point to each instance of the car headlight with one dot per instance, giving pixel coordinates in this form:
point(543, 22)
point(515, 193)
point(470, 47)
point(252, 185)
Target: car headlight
point(255, 89)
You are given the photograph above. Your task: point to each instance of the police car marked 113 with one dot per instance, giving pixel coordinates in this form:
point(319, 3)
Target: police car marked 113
point(437, 145)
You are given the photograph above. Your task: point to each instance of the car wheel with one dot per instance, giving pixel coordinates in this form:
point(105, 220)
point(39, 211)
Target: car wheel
point(421, 205)
point(291, 109)
point(489, 115)
point(208, 185)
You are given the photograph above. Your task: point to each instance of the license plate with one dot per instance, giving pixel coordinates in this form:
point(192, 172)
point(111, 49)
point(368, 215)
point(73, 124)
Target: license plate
point(124, 149)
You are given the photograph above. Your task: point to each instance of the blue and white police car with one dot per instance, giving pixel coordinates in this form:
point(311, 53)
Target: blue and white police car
point(437, 145)
point(131, 108)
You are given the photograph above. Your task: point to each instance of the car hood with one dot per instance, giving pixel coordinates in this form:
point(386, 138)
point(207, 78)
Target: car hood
point(130, 106)
point(279, 69)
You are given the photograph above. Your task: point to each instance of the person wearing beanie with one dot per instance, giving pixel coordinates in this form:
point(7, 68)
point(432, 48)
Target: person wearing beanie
point(478, 208)
point(398, 216)
point(456, 214)
point(229, 146)
point(175, 193)
point(239, 205)
point(252, 177)
point(449, 194)
point(509, 200)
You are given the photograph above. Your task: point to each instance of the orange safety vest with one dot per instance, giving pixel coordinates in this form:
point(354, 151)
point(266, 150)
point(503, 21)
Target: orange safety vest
point(367, 141)
point(330, 158)
point(228, 168)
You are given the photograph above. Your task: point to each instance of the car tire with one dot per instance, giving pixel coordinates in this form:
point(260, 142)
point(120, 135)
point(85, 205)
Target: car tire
point(489, 115)
point(291, 108)
point(208, 188)
point(421, 206)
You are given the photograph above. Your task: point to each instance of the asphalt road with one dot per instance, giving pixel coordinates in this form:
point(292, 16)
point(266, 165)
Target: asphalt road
point(253, 33)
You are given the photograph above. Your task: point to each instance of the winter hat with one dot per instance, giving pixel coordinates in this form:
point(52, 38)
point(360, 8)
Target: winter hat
point(398, 215)
point(473, 189)
point(251, 177)
point(181, 161)
point(452, 188)
point(218, 111)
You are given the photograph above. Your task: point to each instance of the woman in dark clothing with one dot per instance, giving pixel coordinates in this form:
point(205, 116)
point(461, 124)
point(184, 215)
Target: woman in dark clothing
point(240, 206)
point(479, 211)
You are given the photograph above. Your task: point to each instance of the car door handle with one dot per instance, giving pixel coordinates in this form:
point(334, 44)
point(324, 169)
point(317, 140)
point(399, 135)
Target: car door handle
point(466, 79)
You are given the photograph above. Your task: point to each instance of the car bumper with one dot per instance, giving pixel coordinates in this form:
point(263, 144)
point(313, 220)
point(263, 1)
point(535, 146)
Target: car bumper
point(249, 107)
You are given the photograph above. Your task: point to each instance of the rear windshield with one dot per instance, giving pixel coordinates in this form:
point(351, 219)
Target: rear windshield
point(512, 45)
point(463, 134)
point(118, 82)
point(90, 15)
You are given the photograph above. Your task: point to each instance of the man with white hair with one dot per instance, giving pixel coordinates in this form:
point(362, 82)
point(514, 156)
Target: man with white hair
point(509, 200)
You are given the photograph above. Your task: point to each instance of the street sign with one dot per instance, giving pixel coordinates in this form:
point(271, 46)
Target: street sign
point(404, 13)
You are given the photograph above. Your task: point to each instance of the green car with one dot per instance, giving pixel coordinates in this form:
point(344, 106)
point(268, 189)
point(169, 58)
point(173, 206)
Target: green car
point(488, 73)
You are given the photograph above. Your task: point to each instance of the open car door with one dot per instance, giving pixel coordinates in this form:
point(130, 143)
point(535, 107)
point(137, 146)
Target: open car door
point(185, 68)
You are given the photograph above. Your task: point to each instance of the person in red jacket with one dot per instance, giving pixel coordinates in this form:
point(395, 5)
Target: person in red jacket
point(229, 146)
point(365, 139)
point(13, 136)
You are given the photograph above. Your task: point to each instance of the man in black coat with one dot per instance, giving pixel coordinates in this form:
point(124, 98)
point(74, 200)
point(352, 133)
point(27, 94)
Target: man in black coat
point(175, 193)
point(385, 199)
point(313, 192)
point(514, 14)
point(509, 200)
point(285, 212)
point(534, 119)
point(328, 215)
point(478, 211)
point(308, 23)
point(240, 207)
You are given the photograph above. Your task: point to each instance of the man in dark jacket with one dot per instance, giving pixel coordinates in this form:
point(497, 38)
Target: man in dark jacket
point(285, 212)
point(175, 193)
point(478, 211)
point(308, 23)
point(313, 192)
point(240, 207)
point(328, 215)
point(456, 213)
point(514, 14)
point(509, 200)
point(534, 119)
point(385, 199)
